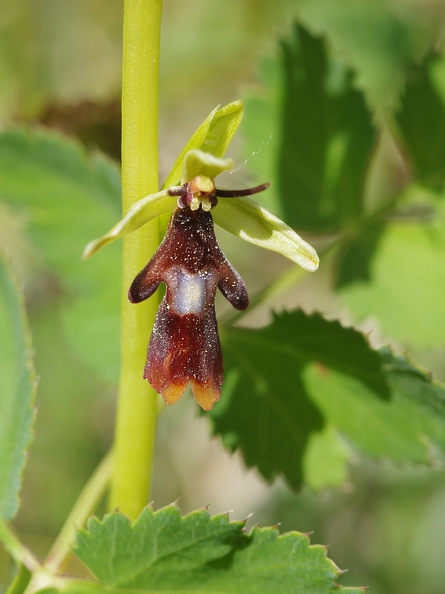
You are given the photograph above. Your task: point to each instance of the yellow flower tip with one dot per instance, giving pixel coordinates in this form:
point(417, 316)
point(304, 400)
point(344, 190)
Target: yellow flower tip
point(173, 392)
point(205, 396)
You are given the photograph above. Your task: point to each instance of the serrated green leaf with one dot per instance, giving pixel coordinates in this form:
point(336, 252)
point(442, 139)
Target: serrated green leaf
point(212, 136)
point(377, 40)
point(421, 118)
point(266, 408)
point(403, 428)
point(299, 384)
point(157, 546)
point(72, 586)
point(68, 197)
point(17, 392)
point(196, 553)
point(326, 459)
point(406, 283)
point(314, 134)
point(354, 261)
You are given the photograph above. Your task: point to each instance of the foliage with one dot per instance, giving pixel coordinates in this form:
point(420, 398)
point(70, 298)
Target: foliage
point(17, 389)
point(290, 384)
point(163, 551)
point(305, 394)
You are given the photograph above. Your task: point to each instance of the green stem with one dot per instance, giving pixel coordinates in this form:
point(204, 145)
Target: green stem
point(137, 401)
point(16, 549)
point(90, 496)
point(44, 575)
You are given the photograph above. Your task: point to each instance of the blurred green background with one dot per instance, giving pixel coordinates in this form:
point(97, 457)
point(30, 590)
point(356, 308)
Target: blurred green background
point(60, 67)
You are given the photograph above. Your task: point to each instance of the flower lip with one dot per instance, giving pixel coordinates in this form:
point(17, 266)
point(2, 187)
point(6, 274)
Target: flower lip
point(184, 345)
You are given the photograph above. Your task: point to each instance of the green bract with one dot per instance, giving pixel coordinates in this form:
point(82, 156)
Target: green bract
point(241, 216)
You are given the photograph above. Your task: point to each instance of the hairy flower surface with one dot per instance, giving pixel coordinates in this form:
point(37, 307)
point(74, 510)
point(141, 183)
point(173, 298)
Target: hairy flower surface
point(184, 346)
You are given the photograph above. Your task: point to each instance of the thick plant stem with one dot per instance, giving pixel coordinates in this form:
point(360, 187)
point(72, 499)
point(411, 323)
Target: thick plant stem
point(137, 401)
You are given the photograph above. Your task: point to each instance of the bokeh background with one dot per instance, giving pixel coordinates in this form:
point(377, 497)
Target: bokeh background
point(60, 68)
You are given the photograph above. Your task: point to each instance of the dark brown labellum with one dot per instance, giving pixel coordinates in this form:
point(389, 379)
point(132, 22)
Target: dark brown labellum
point(184, 345)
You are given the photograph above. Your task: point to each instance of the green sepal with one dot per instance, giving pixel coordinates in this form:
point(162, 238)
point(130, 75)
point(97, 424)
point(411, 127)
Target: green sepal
point(248, 220)
point(223, 128)
point(143, 211)
point(213, 136)
point(241, 216)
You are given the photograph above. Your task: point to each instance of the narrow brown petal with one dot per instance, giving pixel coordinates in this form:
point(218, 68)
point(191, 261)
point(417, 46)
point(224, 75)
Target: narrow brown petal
point(237, 193)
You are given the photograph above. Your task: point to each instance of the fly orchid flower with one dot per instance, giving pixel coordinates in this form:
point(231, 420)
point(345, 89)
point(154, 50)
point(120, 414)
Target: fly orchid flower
point(184, 346)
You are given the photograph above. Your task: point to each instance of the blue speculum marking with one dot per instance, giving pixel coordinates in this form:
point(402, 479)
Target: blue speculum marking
point(189, 292)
